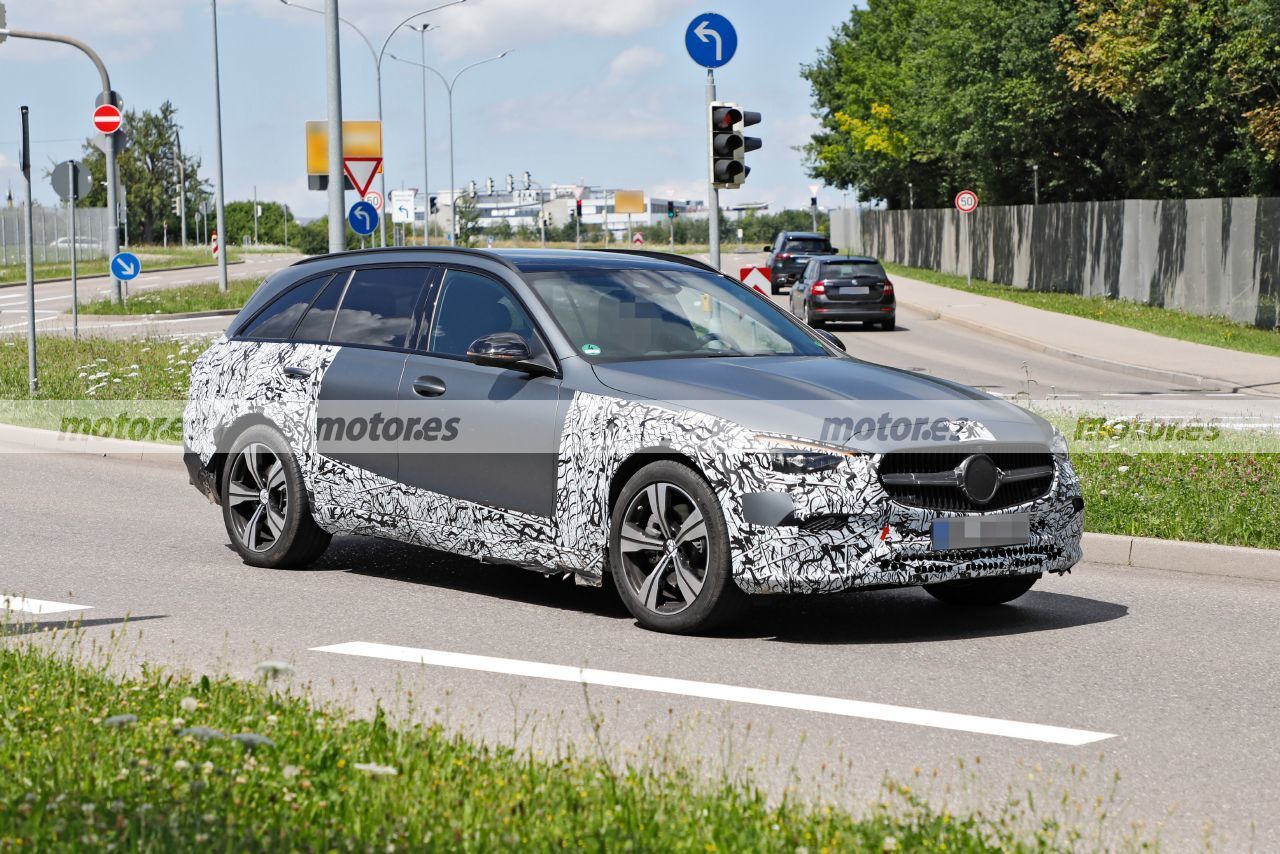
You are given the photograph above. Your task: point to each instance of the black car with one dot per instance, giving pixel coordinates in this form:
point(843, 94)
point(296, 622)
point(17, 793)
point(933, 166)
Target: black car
point(844, 288)
point(790, 252)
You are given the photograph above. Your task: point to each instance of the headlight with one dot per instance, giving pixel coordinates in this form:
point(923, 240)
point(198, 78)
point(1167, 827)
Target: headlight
point(1058, 445)
point(791, 457)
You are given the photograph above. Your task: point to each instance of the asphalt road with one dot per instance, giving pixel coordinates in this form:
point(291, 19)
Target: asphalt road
point(1171, 676)
point(53, 301)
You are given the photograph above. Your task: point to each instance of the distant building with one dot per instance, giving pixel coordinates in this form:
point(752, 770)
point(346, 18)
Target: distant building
point(521, 208)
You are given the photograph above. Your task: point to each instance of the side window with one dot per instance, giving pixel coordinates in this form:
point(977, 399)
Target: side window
point(277, 320)
point(378, 306)
point(471, 306)
point(318, 321)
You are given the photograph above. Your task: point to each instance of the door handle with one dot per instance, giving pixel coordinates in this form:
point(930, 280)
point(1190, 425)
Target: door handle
point(295, 373)
point(428, 386)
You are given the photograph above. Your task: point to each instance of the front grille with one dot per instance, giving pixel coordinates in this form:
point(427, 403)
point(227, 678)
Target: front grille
point(947, 497)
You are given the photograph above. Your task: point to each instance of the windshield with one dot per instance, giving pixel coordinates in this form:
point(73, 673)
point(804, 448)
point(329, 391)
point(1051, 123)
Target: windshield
point(806, 244)
point(851, 270)
point(615, 315)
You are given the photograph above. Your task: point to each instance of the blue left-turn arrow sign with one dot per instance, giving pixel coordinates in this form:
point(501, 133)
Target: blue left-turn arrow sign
point(363, 218)
point(125, 266)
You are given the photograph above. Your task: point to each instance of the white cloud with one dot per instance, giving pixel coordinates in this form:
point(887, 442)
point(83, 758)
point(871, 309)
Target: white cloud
point(97, 22)
point(634, 60)
point(479, 27)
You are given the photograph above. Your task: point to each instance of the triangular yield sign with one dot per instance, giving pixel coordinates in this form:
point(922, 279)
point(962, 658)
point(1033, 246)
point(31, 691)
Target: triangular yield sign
point(360, 171)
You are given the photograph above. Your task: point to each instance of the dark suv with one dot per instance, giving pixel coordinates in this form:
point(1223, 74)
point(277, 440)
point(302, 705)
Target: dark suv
point(790, 252)
point(845, 288)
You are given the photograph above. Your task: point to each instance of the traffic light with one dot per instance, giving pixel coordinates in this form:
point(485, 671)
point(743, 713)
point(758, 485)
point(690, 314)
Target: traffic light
point(671, 210)
point(177, 208)
point(729, 146)
point(528, 180)
point(471, 189)
point(577, 204)
point(431, 204)
point(511, 183)
point(488, 186)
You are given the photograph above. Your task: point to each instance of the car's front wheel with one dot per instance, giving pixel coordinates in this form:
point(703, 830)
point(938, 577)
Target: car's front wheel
point(669, 551)
point(265, 505)
point(983, 591)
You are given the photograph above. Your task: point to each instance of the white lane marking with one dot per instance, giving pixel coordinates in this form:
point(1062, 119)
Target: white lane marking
point(38, 606)
point(718, 691)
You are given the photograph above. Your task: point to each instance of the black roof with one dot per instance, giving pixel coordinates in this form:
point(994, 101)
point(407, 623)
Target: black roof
point(860, 259)
point(534, 260)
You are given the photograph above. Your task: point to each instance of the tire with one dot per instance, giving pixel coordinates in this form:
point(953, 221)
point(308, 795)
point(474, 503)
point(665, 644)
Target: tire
point(813, 322)
point(668, 585)
point(982, 591)
point(888, 325)
point(280, 532)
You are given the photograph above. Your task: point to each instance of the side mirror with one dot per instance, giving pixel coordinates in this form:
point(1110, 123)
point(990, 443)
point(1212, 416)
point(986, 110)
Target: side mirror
point(508, 350)
point(830, 338)
point(501, 350)
point(768, 249)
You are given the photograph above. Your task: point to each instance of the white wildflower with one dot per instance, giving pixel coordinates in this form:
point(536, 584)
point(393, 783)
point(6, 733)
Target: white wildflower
point(373, 769)
point(189, 704)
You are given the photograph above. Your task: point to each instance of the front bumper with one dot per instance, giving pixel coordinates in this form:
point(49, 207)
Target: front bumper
point(877, 542)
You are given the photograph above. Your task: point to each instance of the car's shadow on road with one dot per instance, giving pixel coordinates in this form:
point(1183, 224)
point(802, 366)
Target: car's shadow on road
point(871, 617)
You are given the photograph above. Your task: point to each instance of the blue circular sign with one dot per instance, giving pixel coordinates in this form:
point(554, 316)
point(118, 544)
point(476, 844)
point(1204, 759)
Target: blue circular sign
point(363, 218)
point(711, 40)
point(125, 266)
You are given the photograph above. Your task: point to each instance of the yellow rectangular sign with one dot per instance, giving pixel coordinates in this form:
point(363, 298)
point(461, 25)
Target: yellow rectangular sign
point(628, 201)
point(359, 139)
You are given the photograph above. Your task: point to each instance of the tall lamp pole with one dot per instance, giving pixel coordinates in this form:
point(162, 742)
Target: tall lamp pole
point(377, 73)
point(448, 86)
point(1035, 186)
point(426, 174)
point(219, 197)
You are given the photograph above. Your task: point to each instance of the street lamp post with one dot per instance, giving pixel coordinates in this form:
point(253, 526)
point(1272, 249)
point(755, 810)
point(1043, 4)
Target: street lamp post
point(421, 29)
point(448, 87)
point(219, 198)
point(1035, 186)
point(182, 189)
point(377, 73)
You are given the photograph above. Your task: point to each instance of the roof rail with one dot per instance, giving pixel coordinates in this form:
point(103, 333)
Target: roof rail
point(377, 250)
point(661, 256)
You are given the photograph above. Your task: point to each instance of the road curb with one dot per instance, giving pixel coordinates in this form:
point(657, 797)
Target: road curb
point(105, 276)
point(1180, 556)
point(37, 440)
point(182, 315)
point(1129, 369)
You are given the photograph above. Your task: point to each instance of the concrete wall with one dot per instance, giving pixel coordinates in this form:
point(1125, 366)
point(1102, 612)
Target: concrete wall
point(1204, 256)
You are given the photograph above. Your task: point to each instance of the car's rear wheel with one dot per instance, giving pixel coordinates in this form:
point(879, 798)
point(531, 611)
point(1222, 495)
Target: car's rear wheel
point(812, 319)
point(265, 505)
point(982, 591)
point(669, 551)
point(888, 325)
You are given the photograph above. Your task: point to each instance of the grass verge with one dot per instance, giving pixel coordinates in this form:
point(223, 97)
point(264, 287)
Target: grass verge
point(1216, 331)
point(153, 258)
point(161, 763)
point(179, 300)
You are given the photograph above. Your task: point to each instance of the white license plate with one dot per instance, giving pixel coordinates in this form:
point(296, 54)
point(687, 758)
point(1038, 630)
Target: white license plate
point(855, 291)
point(961, 532)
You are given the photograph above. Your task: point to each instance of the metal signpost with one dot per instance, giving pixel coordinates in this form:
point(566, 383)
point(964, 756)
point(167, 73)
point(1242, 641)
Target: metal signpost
point(71, 182)
point(967, 202)
point(813, 203)
point(711, 42)
point(24, 157)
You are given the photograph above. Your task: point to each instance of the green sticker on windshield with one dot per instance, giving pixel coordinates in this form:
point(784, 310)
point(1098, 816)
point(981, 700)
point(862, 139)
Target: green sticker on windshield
point(591, 349)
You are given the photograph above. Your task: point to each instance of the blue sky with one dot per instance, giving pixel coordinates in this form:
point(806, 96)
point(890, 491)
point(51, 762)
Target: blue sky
point(599, 91)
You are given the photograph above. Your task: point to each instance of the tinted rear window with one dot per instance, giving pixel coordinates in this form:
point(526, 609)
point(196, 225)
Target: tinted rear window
point(851, 270)
point(377, 308)
point(277, 320)
point(806, 244)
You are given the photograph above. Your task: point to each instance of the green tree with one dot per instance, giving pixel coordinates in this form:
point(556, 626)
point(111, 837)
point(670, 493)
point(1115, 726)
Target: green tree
point(239, 223)
point(468, 220)
point(148, 170)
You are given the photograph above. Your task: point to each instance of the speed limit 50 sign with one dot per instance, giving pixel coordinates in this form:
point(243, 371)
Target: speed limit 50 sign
point(966, 201)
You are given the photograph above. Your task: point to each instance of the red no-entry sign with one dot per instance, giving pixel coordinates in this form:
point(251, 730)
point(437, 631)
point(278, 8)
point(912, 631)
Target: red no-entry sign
point(107, 118)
